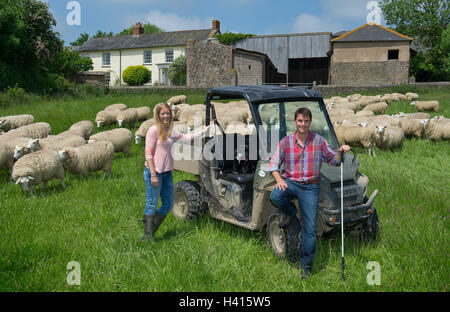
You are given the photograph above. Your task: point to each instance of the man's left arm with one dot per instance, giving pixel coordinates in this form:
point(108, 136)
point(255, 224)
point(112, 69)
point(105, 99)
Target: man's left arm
point(333, 158)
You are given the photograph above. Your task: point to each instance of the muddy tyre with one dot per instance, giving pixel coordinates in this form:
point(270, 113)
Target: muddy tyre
point(285, 242)
point(187, 202)
point(370, 227)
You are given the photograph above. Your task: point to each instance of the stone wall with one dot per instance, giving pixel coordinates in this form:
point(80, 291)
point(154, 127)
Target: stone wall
point(369, 73)
point(209, 64)
point(249, 68)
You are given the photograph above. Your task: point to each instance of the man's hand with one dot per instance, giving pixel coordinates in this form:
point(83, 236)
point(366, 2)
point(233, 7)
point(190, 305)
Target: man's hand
point(281, 185)
point(342, 150)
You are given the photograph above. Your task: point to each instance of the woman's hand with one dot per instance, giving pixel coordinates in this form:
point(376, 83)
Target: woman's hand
point(154, 181)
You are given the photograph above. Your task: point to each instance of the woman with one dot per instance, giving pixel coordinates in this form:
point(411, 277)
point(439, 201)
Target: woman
point(159, 167)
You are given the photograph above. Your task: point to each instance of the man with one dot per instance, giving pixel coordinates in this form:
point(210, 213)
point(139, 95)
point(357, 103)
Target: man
point(302, 154)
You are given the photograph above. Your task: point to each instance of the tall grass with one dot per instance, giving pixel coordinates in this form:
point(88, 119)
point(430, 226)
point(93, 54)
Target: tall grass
point(95, 222)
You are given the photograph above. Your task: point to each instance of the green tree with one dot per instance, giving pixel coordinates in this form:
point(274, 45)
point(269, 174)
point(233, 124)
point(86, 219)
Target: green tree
point(101, 34)
point(425, 21)
point(80, 40)
point(67, 63)
point(148, 29)
point(177, 71)
point(136, 75)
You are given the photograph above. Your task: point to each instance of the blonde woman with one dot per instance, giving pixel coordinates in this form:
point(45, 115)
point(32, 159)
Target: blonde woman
point(159, 167)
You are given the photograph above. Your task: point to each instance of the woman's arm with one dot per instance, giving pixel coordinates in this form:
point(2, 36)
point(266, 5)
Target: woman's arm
point(151, 139)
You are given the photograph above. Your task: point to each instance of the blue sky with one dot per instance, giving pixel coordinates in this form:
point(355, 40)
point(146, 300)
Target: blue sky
point(259, 17)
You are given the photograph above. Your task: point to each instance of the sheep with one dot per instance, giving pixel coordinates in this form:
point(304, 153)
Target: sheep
point(240, 128)
point(413, 127)
point(12, 122)
point(34, 168)
point(121, 139)
point(400, 97)
point(365, 113)
point(177, 109)
point(7, 148)
point(55, 143)
point(191, 117)
point(356, 136)
point(180, 127)
point(106, 117)
point(177, 99)
point(438, 129)
point(341, 112)
point(87, 158)
point(412, 115)
point(127, 116)
point(84, 128)
point(377, 108)
point(383, 119)
point(144, 113)
point(36, 130)
point(411, 96)
point(426, 105)
point(354, 97)
point(389, 137)
point(354, 106)
point(118, 106)
point(140, 134)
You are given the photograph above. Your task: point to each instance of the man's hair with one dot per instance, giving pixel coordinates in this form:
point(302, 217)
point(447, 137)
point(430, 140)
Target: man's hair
point(304, 112)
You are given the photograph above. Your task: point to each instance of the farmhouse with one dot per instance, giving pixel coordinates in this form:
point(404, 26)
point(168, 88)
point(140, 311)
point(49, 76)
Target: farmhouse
point(155, 51)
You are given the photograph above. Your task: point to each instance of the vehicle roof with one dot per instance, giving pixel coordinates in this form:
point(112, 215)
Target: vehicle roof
point(264, 93)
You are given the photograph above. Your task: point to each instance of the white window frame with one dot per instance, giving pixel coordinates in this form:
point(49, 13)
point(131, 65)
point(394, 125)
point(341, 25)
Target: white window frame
point(151, 60)
point(104, 59)
point(168, 60)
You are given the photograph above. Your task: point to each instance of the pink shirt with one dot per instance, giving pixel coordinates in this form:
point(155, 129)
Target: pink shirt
point(161, 151)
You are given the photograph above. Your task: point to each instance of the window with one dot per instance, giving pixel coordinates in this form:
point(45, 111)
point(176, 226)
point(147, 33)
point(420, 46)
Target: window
point(169, 56)
point(392, 54)
point(148, 57)
point(106, 59)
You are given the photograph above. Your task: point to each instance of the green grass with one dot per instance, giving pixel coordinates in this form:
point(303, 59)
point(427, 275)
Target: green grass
point(95, 222)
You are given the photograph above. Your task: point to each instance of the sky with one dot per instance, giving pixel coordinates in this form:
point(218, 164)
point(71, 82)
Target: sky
point(259, 17)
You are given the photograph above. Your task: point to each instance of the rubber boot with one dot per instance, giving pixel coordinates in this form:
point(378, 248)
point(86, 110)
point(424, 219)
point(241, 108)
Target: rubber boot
point(149, 221)
point(159, 218)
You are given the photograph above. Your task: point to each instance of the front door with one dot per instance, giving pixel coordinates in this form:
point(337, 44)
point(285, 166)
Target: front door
point(164, 76)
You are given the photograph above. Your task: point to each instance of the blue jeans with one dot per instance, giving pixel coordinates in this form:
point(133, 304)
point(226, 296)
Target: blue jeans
point(152, 194)
point(308, 199)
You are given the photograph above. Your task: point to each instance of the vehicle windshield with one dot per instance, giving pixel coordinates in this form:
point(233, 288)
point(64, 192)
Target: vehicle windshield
point(279, 117)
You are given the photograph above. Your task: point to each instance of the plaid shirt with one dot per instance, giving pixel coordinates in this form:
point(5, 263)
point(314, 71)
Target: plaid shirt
point(302, 164)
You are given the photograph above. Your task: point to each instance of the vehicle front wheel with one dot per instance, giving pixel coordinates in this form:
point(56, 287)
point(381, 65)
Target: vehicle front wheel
point(285, 242)
point(187, 202)
point(370, 227)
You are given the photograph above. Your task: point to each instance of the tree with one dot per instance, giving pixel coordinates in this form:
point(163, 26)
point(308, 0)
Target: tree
point(425, 21)
point(101, 34)
point(148, 29)
point(80, 40)
point(67, 63)
point(177, 71)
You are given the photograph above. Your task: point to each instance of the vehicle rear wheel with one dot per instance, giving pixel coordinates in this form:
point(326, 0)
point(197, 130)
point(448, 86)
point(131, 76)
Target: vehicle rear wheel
point(285, 242)
point(370, 227)
point(187, 202)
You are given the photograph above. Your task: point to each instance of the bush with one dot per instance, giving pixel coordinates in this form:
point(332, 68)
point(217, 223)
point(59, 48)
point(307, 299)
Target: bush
point(18, 95)
point(136, 75)
point(177, 71)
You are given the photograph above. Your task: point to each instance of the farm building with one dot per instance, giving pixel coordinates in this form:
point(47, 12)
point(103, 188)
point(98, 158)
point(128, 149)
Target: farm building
point(155, 51)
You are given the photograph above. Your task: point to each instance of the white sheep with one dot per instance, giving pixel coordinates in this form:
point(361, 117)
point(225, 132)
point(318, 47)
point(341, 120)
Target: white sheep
point(34, 168)
point(128, 116)
point(7, 148)
point(399, 96)
point(178, 109)
point(413, 127)
point(87, 158)
point(438, 128)
point(55, 143)
point(106, 117)
point(389, 137)
point(15, 121)
point(356, 136)
point(36, 130)
point(377, 108)
point(140, 133)
point(411, 96)
point(383, 120)
point(192, 117)
point(412, 115)
point(118, 106)
point(178, 99)
point(365, 113)
point(144, 113)
point(84, 128)
point(121, 139)
point(354, 97)
point(426, 105)
point(180, 127)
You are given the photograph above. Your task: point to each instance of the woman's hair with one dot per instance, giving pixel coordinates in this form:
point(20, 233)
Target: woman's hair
point(163, 134)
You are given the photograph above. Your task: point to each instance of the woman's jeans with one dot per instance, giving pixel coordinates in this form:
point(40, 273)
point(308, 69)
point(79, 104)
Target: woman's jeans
point(152, 194)
point(308, 199)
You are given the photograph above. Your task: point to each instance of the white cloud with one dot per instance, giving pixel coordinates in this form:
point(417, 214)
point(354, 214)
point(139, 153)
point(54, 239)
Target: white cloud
point(305, 23)
point(169, 21)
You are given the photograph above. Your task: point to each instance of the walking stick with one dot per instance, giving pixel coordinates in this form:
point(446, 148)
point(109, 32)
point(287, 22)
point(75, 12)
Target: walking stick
point(342, 217)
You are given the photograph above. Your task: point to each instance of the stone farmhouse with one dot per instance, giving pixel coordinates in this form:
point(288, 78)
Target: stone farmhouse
point(368, 55)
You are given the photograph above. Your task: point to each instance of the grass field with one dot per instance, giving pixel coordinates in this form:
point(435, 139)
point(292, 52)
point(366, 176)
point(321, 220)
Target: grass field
point(95, 222)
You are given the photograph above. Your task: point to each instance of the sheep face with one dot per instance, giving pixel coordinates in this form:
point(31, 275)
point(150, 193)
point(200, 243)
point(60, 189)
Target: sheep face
point(25, 182)
point(423, 122)
point(19, 151)
point(138, 139)
point(120, 122)
point(32, 145)
point(63, 155)
point(2, 122)
point(100, 123)
point(413, 103)
point(381, 129)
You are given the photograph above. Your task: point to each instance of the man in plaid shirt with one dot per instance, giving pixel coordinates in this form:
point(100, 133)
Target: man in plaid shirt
point(302, 153)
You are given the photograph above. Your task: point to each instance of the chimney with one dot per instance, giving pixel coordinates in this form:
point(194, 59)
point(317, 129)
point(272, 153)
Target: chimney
point(216, 25)
point(138, 29)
